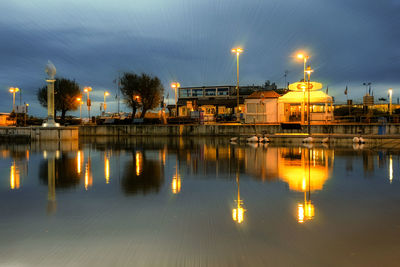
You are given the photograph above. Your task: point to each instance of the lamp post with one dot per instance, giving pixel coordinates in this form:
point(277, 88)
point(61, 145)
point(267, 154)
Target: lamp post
point(308, 71)
point(13, 90)
point(175, 86)
point(88, 102)
point(105, 105)
point(80, 106)
point(304, 58)
point(390, 101)
point(237, 50)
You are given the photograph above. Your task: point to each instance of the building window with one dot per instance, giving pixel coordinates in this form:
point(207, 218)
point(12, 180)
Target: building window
point(184, 92)
point(197, 92)
point(210, 92)
point(222, 91)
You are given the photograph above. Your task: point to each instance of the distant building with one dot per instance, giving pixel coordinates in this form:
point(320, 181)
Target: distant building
point(212, 100)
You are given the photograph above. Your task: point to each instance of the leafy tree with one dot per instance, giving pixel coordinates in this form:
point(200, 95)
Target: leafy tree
point(65, 93)
point(141, 91)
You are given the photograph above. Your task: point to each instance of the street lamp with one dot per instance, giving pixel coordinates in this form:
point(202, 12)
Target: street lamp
point(13, 90)
point(105, 105)
point(80, 106)
point(390, 101)
point(88, 102)
point(237, 50)
point(304, 58)
point(308, 71)
point(175, 86)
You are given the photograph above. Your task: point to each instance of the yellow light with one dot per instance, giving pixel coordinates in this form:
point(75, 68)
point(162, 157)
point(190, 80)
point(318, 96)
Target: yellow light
point(107, 169)
point(390, 91)
point(300, 213)
point(78, 99)
point(87, 89)
point(78, 162)
point(106, 93)
point(238, 214)
point(300, 56)
point(390, 169)
point(309, 210)
point(308, 70)
point(11, 90)
point(237, 50)
point(14, 177)
point(176, 184)
point(175, 85)
point(139, 159)
point(16, 89)
point(88, 176)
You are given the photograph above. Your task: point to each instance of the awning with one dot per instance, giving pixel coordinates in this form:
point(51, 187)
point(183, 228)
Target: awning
point(299, 97)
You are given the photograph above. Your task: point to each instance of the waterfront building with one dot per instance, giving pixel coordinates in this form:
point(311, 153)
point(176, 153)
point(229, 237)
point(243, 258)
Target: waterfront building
point(212, 100)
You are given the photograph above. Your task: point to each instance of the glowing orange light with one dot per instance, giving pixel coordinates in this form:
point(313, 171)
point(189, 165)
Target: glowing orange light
point(139, 159)
point(14, 177)
point(175, 85)
point(237, 50)
point(107, 169)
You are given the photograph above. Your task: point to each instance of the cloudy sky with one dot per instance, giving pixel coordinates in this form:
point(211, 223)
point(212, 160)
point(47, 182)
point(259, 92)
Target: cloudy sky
point(91, 41)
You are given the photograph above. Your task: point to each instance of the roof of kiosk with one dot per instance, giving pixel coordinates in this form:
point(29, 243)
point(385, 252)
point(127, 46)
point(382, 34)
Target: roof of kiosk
point(299, 93)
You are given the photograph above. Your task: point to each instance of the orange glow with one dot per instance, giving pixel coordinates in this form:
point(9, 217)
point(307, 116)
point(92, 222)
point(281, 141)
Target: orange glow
point(14, 177)
point(176, 184)
point(79, 162)
point(107, 169)
point(309, 70)
point(300, 56)
point(238, 214)
point(78, 99)
point(300, 213)
point(88, 176)
point(298, 176)
point(14, 89)
point(139, 162)
point(87, 89)
point(237, 50)
point(175, 85)
point(106, 93)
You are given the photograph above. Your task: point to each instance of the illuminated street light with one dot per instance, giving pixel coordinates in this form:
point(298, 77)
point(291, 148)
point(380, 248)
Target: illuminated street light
point(237, 50)
point(13, 90)
point(105, 104)
point(80, 106)
point(88, 102)
point(175, 86)
point(390, 101)
point(304, 58)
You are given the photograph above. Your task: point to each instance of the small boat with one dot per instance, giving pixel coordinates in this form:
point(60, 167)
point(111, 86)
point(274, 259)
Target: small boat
point(252, 139)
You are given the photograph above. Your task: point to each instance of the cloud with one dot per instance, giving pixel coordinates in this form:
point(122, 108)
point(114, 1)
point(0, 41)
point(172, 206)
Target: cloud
point(350, 42)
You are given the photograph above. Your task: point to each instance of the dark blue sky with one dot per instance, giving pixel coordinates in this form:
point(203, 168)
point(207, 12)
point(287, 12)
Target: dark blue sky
point(349, 41)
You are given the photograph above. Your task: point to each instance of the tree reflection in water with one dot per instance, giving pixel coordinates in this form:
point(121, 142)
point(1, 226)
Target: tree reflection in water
point(66, 173)
point(142, 175)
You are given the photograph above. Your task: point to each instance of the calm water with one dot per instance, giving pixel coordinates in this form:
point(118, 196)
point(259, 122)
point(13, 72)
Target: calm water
point(195, 202)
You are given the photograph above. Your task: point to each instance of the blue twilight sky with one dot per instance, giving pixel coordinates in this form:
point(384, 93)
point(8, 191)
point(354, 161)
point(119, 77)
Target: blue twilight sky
point(91, 41)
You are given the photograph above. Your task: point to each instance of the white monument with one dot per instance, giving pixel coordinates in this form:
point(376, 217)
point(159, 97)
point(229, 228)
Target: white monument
point(51, 72)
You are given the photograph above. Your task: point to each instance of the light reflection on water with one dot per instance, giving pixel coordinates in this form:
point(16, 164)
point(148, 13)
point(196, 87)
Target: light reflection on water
point(219, 191)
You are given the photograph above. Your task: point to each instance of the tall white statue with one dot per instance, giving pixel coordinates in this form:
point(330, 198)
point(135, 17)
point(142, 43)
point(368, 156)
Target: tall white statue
point(51, 73)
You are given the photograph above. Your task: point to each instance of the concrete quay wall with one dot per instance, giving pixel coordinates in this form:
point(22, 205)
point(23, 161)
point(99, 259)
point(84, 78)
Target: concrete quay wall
point(233, 130)
point(39, 133)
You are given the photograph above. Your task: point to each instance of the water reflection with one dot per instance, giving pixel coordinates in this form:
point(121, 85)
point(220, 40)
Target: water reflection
point(107, 167)
point(176, 180)
point(65, 170)
point(142, 175)
point(14, 176)
point(238, 211)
